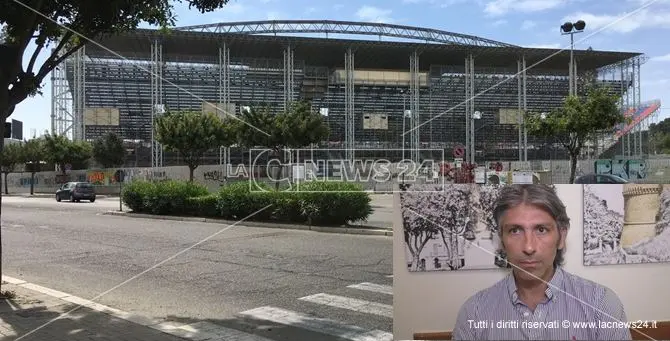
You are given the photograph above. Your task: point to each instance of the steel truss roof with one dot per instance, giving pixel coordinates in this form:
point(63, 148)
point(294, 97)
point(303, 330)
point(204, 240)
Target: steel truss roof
point(345, 27)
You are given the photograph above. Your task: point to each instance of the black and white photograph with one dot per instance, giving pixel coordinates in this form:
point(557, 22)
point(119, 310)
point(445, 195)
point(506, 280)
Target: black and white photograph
point(626, 224)
point(450, 227)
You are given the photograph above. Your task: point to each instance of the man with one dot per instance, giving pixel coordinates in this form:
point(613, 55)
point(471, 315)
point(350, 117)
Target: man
point(538, 300)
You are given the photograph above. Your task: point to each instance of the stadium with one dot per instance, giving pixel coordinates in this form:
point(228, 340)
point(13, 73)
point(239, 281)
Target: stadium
point(407, 86)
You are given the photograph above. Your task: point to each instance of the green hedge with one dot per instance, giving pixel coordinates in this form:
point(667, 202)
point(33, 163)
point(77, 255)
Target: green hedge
point(315, 203)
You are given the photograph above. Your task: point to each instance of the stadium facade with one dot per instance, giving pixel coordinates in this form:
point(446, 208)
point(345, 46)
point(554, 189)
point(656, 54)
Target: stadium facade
point(408, 87)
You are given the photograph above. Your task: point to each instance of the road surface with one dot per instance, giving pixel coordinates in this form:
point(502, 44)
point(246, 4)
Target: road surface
point(280, 284)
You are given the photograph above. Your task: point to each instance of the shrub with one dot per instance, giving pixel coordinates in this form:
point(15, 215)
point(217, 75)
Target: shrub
point(161, 197)
point(316, 203)
point(135, 193)
point(333, 203)
point(239, 200)
point(202, 206)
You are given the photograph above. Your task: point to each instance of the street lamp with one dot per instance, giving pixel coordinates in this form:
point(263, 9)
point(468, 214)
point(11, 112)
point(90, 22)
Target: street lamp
point(571, 29)
point(405, 113)
point(475, 116)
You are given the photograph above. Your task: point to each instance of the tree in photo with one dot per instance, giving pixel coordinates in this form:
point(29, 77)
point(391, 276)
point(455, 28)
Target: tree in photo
point(578, 121)
point(192, 134)
point(33, 156)
point(457, 214)
point(62, 151)
point(109, 151)
point(423, 216)
point(11, 158)
point(297, 127)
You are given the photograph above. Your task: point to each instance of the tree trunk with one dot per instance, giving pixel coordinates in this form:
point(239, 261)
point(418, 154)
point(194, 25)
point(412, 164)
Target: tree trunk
point(573, 167)
point(32, 183)
point(2, 146)
point(191, 170)
point(415, 261)
point(6, 186)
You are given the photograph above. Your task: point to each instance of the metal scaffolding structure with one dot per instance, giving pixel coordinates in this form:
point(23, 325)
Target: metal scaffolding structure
point(62, 113)
point(415, 106)
point(469, 106)
point(68, 91)
point(344, 27)
point(349, 111)
point(289, 65)
point(372, 83)
point(224, 95)
point(157, 100)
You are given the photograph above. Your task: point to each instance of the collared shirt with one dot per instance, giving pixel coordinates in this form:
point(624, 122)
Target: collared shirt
point(574, 308)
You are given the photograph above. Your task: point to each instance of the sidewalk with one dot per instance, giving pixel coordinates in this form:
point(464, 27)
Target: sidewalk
point(34, 306)
point(31, 309)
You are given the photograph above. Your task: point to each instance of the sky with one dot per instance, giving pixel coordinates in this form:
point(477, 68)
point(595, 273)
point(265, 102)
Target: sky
point(533, 23)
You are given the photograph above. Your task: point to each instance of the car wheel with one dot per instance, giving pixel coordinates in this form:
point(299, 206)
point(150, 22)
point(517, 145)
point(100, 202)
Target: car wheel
point(93, 200)
point(57, 197)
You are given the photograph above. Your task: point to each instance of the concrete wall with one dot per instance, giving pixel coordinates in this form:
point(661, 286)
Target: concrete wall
point(213, 176)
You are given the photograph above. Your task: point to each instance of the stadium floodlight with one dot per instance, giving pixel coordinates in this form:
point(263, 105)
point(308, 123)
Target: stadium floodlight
point(572, 28)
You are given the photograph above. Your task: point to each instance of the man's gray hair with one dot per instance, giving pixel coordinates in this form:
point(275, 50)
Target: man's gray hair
point(541, 196)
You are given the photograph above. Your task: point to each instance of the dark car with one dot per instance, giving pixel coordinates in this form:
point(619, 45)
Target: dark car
point(76, 191)
point(600, 179)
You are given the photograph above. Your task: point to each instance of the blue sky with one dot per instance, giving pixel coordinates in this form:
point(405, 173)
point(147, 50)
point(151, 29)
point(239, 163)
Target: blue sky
point(532, 23)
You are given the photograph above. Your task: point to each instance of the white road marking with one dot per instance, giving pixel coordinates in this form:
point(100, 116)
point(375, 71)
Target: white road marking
point(196, 331)
point(384, 289)
point(354, 304)
point(319, 325)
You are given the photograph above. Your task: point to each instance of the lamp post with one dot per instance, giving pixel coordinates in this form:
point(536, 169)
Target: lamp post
point(571, 29)
point(405, 114)
point(475, 116)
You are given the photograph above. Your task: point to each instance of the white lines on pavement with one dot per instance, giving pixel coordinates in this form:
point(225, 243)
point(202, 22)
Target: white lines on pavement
point(196, 331)
point(354, 304)
point(384, 289)
point(206, 331)
point(319, 325)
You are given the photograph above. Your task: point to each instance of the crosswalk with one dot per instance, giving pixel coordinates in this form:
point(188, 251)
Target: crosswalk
point(356, 312)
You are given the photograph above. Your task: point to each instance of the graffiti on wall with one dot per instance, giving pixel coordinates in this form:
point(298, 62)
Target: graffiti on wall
point(627, 169)
point(106, 177)
point(48, 180)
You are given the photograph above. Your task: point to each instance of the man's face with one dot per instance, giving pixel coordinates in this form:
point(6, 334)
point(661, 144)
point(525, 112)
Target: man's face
point(530, 238)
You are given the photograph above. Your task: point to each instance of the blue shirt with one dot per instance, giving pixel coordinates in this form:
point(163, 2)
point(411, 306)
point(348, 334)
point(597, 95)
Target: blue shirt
point(574, 308)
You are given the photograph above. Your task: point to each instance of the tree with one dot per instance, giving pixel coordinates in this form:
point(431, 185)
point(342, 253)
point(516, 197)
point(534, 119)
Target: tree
point(55, 27)
point(192, 134)
point(430, 213)
point(11, 157)
point(34, 155)
point(577, 121)
point(423, 216)
point(295, 128)
point(51, 25)
point(456, 209)
point(62, 151)
point(109, 151)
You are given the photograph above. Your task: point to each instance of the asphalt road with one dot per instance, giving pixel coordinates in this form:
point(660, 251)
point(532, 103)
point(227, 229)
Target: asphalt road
point(238, 277)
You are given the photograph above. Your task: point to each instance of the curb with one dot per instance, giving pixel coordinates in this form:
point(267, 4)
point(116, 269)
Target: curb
point(195, 331)
point(362, 230)
point(46, 195)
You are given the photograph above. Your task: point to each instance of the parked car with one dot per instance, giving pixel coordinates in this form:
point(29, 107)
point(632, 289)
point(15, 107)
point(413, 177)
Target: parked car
point(600, 179)
point(76, 191)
